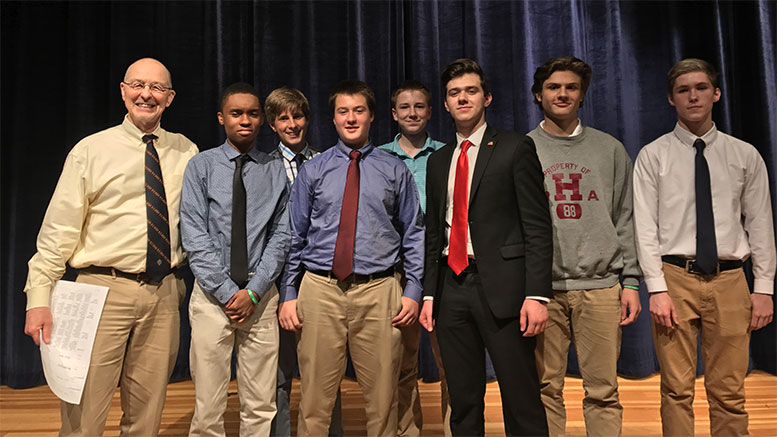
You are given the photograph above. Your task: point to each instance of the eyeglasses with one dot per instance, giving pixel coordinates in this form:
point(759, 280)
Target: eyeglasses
point(154, 87)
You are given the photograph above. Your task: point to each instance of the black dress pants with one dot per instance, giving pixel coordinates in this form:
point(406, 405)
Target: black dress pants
point(465, 326)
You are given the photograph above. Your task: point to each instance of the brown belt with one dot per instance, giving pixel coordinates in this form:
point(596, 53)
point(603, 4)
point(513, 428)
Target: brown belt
point(110, 271)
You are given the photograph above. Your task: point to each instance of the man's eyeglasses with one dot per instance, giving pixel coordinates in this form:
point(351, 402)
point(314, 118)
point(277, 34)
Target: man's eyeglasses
point(154, 87)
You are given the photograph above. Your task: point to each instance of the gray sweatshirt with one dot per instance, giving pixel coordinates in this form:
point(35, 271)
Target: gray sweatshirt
point(588, 183)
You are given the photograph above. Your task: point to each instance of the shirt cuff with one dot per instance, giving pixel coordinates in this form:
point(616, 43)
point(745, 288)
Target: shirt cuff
point(428, 298)
point(287, 293)
point(38, 297)
point(412, 291)
point(762, 286)
point(655, 285)
point(631, 280)
point(225, 292)
point(539, 298)
point(258, 286)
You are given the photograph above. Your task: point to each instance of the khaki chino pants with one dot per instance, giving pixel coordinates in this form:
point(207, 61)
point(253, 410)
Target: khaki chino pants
point(719, 308)
point(336, 315)
point(136, 344)
point(592, 319)
point(255, 341)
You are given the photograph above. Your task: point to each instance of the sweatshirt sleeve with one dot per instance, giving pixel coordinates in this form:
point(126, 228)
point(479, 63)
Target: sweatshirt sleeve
point(623, 216)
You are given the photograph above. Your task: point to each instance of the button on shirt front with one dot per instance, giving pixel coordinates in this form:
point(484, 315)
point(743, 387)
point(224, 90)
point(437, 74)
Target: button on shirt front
point(389, 224)
point(665, 204)
point(206, 219)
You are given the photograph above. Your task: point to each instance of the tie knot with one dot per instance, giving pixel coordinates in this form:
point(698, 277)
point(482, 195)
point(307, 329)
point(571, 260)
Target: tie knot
point(299, 159)
point(240, 160)
point(148, 138)
point(699, 144)
point(466, 144)
point(355, 155)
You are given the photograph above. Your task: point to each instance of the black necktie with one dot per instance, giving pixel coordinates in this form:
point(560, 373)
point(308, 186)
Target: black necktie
point(299, 159)
point(706, 245)
point(238, 269)
point(158, 249)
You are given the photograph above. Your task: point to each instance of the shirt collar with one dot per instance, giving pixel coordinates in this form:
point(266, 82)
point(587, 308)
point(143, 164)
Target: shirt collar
point(345, 150)
point(397, 150)
point(578, 129)
point(476, 138)
point(232, 153)
point(688, 138)
point(135, 132)
point(289, 154)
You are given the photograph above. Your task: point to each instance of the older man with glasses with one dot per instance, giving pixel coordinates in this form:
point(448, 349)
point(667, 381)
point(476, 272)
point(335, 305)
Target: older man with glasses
point(114, 217)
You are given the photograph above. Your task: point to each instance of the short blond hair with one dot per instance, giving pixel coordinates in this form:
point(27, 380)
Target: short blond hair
point(283, 99)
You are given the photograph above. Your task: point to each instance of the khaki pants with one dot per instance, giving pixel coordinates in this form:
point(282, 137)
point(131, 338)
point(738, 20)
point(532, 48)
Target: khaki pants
point(214, 336)
point(410, 420)
point(592, 319)
point(335, 315)
point(136, 344)
point(721, 309)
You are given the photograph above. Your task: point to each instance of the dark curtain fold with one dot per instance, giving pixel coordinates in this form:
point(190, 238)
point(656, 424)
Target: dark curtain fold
point(62, 63)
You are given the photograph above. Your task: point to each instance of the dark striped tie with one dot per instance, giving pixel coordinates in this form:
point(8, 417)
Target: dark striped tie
point(158, 250)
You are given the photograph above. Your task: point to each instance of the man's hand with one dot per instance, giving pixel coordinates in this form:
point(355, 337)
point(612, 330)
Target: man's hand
point(630, 306)
point(287, 316)
point(239, 307)
point(38, 319)
point(662, 310)
point(425, 318)
point(763, 311)
point(409, 313)
point(534, 317)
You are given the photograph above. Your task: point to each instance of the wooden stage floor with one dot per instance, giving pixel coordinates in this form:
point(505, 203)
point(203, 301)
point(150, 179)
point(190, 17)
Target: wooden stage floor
point(35, 412)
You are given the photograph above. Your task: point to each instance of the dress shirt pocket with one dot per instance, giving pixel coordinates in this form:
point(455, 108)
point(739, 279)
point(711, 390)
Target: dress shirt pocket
point(512, 251)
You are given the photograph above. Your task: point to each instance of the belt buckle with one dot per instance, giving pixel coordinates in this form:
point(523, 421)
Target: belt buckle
point(690, 267)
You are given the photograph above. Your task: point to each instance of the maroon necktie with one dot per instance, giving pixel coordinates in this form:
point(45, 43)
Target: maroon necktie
point(457, 245)
point(342, 264)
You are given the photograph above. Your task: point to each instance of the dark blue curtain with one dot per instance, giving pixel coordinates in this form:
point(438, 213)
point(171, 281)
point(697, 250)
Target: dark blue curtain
point(62, 63)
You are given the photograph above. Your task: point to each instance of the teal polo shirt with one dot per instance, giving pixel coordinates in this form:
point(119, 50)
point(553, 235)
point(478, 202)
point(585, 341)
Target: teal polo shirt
point(416, 164)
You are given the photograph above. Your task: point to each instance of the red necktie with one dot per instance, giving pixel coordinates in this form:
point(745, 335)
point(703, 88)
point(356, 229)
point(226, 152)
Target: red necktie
point(342, 264)
point(457, 247)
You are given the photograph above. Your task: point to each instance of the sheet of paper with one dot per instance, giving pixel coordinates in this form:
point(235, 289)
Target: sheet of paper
point(76, 310)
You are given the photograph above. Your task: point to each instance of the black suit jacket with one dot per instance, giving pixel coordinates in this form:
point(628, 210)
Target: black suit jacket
point(509, 222)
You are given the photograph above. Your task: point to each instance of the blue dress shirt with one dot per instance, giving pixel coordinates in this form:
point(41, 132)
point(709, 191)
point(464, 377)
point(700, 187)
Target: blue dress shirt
point(389, 223)
point(416, 164)
point(206, 219)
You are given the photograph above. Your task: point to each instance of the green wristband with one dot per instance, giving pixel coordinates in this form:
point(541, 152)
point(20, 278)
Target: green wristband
point(632, 287)
point(252, 296)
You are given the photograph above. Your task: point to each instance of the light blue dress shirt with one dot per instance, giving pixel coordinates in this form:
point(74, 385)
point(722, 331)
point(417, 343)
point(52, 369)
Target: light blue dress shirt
point(389, 223)
point(206, 219)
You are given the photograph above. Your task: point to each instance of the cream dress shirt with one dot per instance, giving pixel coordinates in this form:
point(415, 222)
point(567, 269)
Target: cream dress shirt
point(97, 214)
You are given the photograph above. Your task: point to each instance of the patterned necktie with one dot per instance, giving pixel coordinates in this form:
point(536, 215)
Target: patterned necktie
point(342, 264)
point(238, 261)
point(158, 249)
point(706, 244)
point(457, 245)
